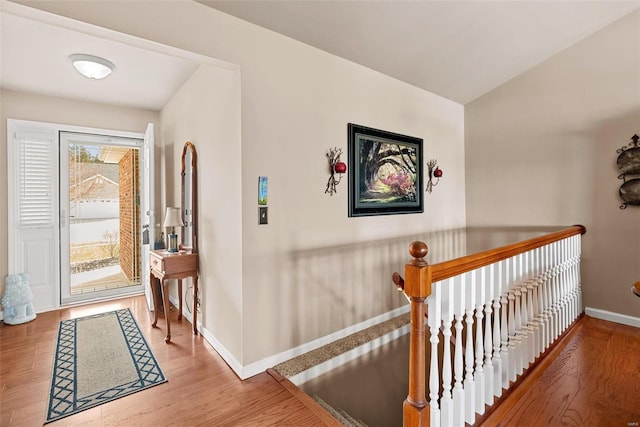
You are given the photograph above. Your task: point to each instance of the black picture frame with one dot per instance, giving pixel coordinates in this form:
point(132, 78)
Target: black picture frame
point(385, 172)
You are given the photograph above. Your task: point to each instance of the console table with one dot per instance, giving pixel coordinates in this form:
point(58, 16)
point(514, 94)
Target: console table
point(173, 265)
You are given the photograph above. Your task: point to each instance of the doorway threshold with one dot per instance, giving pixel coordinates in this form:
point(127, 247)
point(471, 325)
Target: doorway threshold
point(104, 298)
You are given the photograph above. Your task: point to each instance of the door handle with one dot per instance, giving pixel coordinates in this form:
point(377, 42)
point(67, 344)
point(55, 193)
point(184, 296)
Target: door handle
point(64, 217)
point(145, 234)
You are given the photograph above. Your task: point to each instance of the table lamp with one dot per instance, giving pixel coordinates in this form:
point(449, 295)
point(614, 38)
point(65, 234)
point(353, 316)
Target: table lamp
point(172, 219)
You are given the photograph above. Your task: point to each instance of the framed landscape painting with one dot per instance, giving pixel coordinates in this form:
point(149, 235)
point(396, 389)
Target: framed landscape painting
point(386, 174)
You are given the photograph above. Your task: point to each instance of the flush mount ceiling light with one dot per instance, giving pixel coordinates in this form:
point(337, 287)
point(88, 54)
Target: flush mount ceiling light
point(92, 67)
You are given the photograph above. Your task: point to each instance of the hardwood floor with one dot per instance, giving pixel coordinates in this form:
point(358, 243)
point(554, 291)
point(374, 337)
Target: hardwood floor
point(202, 389)
point(592, 378)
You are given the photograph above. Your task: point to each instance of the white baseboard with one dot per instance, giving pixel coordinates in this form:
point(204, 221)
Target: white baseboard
point(613, 317)
point(269, 362)
point(213, 341)
point(226, 355)
point(247, 371)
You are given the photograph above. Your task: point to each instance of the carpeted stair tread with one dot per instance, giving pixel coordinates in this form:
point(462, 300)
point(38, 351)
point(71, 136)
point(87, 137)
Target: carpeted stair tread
point(339, 414)
point(315, 357)
point(351, 420)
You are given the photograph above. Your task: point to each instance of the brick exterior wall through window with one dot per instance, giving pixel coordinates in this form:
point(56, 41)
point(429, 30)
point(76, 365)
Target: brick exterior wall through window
point(130, 215)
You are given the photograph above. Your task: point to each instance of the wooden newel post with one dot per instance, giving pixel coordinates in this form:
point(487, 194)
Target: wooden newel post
point(417, 285)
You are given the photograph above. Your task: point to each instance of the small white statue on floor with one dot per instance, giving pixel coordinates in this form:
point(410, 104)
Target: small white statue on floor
point(17, 300)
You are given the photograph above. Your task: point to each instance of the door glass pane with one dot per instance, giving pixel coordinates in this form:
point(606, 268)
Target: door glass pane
point(104, 217)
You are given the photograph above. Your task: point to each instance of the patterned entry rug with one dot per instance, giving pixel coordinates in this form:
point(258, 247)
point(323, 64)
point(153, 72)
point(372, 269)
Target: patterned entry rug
point(98, 359)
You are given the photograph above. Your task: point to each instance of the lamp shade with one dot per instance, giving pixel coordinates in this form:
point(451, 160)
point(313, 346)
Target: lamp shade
point(172, 218)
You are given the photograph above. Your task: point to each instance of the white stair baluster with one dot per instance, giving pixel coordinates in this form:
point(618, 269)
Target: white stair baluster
point(479, 372)
point(517, 338)
point(555, 292)
point(574, 288)
point(579, 277)
point(458, 356)
point(497, 331)
point(568, 283)
point(488, 335)
point(551, 300)
point(469, 381)
point(526, 336)
point(546, 298)
point(504, 330)
point(571, 282)
point(504, 342)
point(568, 287)
point(563, 287)
point(446, 403)
point(458, 391)
point(518, 356)
point(576, 276)
point(535, 304)
point(540, 292)
point(434, 320)
point(558, 297)
point(530, 298)
point(512, 336)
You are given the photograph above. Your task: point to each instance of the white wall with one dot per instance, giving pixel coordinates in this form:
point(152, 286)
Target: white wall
point(206, 111)
point(24, 106)
point(541, 150)
point(312, 270)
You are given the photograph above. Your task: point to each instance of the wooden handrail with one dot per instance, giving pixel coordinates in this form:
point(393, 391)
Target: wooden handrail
point(419, 277)
point(447, 269)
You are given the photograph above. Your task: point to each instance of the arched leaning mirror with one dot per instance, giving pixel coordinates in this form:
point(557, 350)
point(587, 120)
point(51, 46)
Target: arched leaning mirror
point(189, 200)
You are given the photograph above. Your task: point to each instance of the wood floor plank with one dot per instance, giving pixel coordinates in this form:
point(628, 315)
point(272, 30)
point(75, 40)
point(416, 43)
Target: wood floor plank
point(201, 388)
point(591, 379)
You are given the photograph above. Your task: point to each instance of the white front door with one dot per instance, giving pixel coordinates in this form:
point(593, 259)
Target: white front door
point(100, 247)
point(147, 202)
point(40, 211)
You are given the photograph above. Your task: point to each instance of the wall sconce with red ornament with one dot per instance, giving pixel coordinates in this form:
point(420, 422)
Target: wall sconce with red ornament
point(434, 173)
point(335, 167)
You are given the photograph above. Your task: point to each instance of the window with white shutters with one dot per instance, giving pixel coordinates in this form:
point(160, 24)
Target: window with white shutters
point(32, 214)
point(35, 184)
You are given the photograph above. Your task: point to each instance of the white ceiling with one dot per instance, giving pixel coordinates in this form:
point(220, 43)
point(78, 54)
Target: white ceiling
point(34, 58)
point(457, 49)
